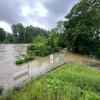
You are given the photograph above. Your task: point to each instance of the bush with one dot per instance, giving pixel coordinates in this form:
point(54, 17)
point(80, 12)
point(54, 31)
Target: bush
point(28, 57)
point(41, 51)
point(41, 46)
point(20, 61)
point(1, 89)
point(30, 47)
point(24, 58)
point(44, 51)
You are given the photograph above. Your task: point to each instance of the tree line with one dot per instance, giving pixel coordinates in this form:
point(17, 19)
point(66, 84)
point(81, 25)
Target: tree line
point(21, 34)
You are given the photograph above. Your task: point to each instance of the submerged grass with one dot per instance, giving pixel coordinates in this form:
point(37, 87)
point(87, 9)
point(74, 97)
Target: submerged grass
point(25, 58)
point(68, 82)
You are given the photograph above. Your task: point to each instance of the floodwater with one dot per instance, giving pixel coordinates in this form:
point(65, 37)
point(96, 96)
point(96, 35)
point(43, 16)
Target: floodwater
point(8, 55)
point(11, 74)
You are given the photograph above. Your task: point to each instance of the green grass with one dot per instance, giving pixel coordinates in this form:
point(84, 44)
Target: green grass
point(68, 82)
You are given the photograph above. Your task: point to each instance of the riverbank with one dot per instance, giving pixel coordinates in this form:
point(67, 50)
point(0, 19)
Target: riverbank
point(73, 58)
point(70, 81)
point(8, 68)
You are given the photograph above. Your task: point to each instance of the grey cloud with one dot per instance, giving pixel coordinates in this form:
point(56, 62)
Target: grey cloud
point(10, 11)
point(57, 10)
point(59, 7)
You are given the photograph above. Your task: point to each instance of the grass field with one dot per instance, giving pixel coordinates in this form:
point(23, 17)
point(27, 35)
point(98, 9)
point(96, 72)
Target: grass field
point(68, 82)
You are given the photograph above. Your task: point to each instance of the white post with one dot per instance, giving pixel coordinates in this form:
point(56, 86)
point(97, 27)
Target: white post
point(93, 58)
point(51, 59)
point(62, 58)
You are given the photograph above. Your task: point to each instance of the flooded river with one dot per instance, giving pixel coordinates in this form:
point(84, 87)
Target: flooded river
point(11, 74)
point(8, 55)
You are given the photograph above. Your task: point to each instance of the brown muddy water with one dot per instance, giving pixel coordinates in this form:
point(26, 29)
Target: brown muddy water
point(11, 74)
point(92, 62)
point(8, 55)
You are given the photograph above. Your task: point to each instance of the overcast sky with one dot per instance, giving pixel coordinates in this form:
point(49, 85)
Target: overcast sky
point(39, 13)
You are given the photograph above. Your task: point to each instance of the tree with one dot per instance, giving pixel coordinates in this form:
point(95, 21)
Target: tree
point(9, 38)
point(59, 30)
point(39, 41)
point(21, 34)
point(2, 35)
point(60, 27)
point(82, 27)
point(38, 46)
point(53, 40)
point(18, 31)
point(42, 45)
point(31, 32)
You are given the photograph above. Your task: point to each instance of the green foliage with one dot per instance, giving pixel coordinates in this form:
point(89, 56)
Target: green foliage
point(91, 96)
point(41, 52)
point(30, 47)
point(42, 46)
point(26, 34)
point(9, 38)
point(18, 29)
point(2, 35)
point(39, 45)
point(82, 27)
point(20, 61)
point(21, 34)
point(53, 39)
point(70, 81)
point(31, 32)
point(59, 30)
point(39, 41)
point(24, 58)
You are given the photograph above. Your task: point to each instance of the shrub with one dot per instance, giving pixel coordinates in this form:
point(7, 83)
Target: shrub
point(41, 51)
point(41, 46)
point(30, 47)
point(20, 61)
point(25, 58)
point(44, 51)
